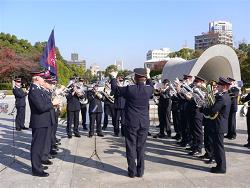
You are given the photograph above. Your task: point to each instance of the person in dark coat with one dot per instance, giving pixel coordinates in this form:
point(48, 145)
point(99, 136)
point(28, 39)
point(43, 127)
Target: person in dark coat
point(109, 110)
point(83, 105)
point(220, 111)
point(119, 105)
point(95, 111)
point(137, 118)
point(247, 99)
point(234, 93)
point(164, 110)
point(40, 120)
point(73, 110)
point(20, 104)
point(197, 119)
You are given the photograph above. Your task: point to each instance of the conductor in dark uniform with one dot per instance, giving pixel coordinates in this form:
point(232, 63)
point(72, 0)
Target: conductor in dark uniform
point(40, 120)
point(137, 118)
point(233, 93)
point(20, 104)
point(220, 110)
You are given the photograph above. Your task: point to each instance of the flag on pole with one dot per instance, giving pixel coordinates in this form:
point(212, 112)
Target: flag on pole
point(48, 58)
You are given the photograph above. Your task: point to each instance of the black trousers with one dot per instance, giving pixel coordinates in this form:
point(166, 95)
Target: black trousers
point(108, 110)
point(164, 114)
point(135, 139)
point(47, 145)
point(177, 121)
point(219, 151)
point(197, 132)
point(20, 117)
point(72, 116)
point(119, 117)
point(83, 113)
point(37, 148)
point(54, 128)
point(208, 141)
point(95, 117)
point(232, 125)
point(248, 125)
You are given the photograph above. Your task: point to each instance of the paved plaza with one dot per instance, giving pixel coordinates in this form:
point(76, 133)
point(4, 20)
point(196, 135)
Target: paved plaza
point(167, 165)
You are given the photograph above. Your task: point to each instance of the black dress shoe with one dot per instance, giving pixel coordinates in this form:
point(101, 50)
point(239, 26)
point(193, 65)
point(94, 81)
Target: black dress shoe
point(149, 134)
point(247, 145)
point(40, 174)
point(48, 162)
point(18, 129)
point(53, 152)
point(217, 170)
point(226, 136)
point(197, 153)
point(232, 138)
point(44, 167)
point(131, 175)
point(90, 135)
point(77, 135)
point(58, 143)
point(25, 128)
point(159, 135)
point(205, 156)
point(210, 161)
point(104, 127)
point(100, 134)
point(51, 157)
point(69, 136)
point(58, 140)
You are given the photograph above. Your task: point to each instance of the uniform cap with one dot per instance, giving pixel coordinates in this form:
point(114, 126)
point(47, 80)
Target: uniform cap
point(231, 79)
point(140, 72)
point(186, 76)
point(17, 80)
point(199, 79)
point(223, 81)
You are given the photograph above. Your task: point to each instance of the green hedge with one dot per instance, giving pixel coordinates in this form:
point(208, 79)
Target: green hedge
point(5, 86)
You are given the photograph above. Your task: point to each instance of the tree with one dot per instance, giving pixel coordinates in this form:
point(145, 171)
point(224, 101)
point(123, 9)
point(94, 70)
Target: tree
point(109, 69)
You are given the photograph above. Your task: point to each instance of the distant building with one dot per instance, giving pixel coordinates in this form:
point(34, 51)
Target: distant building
point(119, 64)
point(220, 32)
point(76, 61)
point(158, 54)
point(221, 26)
point(94, 69)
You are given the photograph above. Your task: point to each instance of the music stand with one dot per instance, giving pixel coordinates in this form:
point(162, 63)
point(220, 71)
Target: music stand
point(95, 153)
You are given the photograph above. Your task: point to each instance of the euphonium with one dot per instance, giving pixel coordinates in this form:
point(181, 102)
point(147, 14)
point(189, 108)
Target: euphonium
point(210, 100)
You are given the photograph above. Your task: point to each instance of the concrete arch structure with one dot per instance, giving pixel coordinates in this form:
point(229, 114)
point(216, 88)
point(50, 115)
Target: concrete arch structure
point(218, 60)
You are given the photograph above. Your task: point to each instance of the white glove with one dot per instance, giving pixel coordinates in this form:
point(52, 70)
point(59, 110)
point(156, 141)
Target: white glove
point(148, 72)
point(113, 74)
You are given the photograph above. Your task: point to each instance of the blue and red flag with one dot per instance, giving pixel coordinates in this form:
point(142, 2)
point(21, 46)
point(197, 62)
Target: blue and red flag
point(48, 58)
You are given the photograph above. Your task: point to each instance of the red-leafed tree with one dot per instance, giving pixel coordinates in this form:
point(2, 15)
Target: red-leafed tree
point(14, 65)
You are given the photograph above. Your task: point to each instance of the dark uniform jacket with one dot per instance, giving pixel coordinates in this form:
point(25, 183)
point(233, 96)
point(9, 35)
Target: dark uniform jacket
point(20, 96)
point(73, 103)
point(165, 100)
point(247, 99)
point(40, 107)
point(95, 104)
point(48, 94)
point(222, 106)
point(234, 93)
point(137, 102)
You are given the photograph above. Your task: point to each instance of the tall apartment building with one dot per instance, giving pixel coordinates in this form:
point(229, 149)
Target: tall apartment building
point(220, 32)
